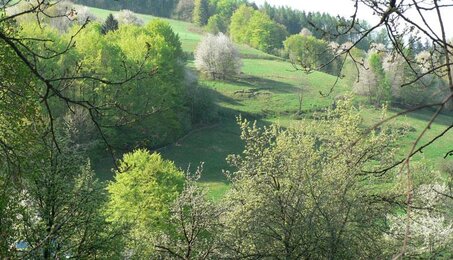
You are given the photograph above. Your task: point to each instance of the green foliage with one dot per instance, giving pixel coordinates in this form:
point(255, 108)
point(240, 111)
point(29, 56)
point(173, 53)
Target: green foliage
point(382, 92)
point(194, 225)
point(50, 199)
point(200, 12)
point(156, 50)
point(299, 192)
point(20, 110)
point(149, 110)
point(239, 20)
point(282, 155)
point(256, 29)
point(110, 24)
point(145, 186)
point(216, 24)
point(226, 8)
point(373, 81)
point(200, 100)
point(309, 53)
point(265, 34)
point(323, 25)
point(220, 14)
point(57, 207)
point(162, 8)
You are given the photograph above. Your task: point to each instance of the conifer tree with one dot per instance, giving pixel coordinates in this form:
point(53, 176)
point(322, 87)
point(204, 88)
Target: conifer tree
point(110, 24)
point(200, 12)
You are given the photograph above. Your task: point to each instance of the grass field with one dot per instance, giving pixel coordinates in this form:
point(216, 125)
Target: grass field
point(268, 90)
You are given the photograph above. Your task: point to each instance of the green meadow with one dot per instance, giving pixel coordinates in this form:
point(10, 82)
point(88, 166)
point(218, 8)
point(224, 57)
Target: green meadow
point(269, 90)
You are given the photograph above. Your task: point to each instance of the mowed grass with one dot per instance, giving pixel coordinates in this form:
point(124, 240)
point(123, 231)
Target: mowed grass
point(269, 90)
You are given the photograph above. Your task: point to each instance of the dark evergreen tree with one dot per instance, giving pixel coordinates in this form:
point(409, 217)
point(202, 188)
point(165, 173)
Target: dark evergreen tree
point(200, 12)
point(322, 25)
point(110, 24)
point(162, 8)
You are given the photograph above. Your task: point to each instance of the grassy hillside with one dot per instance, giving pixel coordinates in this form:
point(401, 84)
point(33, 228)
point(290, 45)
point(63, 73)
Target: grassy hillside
point(269, 91)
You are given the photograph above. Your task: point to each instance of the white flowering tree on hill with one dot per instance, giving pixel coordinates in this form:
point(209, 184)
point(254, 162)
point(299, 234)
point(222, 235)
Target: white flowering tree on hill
point(217, 57)
point(128, 17)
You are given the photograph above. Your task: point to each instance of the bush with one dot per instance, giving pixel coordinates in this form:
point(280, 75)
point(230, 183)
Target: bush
point(216, 24)
point(84, 14)
point(184, 9)
point(128, 17)
point(295, 188)
point(373, 81)
point(309, 53)
point(200, 101)
point(217, 57)
point(59, 16)
point(256, 29)
point(429, 89)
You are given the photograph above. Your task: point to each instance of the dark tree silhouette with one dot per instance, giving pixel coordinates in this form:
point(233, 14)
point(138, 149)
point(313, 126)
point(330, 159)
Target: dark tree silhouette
point(110, 24)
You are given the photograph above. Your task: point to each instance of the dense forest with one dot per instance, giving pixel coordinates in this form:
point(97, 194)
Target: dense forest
point(223, 130)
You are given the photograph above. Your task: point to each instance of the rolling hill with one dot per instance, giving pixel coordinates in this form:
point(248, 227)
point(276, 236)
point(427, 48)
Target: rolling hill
point(268, 91)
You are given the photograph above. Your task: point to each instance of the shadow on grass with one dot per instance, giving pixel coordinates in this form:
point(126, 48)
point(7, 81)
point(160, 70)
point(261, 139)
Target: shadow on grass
point(211, 145)
point(221, 97)
point(261, 84)
point(445, 118)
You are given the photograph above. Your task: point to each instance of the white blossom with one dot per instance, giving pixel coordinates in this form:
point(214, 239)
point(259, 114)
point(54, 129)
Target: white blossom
point(305, 32)
point(430, 231)
point(128, 17)
point(83, 14)
point(217, 57)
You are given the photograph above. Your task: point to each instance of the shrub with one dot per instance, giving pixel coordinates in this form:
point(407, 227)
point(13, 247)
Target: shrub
point(128, 17)
point(59, 15)
point(84, 14)
point(308, 52)
point(200, 101)
point(217, 57)
point(257, 29)
point(184, 9)
point(216, 24)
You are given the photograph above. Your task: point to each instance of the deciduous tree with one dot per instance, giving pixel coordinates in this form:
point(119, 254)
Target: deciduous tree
point(300, 192)
point(309, 53)
point(200, 14)
point(128, 17)
point(217, 57)
point(194, 226)
point(140, 197)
